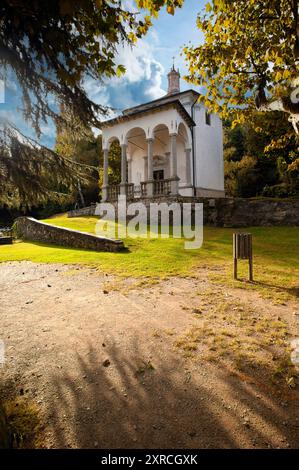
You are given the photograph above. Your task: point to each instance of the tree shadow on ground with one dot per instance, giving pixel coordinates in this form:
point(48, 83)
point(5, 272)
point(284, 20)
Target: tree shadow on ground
point(292, 291)
point(70, 249)
point(129, 404)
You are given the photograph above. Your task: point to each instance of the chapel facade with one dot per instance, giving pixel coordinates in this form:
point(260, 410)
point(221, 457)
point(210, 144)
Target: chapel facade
point(170, 146)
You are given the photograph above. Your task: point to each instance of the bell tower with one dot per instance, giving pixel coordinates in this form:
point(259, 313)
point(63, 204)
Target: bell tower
point(173, 81)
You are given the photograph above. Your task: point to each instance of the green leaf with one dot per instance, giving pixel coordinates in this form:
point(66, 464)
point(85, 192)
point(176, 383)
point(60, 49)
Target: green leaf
point(120, 70)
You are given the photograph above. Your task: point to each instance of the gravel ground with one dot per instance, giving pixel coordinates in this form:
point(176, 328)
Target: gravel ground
point(98, 358)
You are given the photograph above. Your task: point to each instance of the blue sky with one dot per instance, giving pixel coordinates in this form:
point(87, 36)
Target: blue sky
point(147, 66)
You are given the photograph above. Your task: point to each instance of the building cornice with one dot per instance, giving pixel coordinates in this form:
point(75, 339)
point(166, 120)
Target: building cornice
point(164, 99)
point(174, 104)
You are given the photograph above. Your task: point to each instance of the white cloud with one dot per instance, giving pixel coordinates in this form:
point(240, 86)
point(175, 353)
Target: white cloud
point(141, 82)
point(142, 66)
point(129, 5)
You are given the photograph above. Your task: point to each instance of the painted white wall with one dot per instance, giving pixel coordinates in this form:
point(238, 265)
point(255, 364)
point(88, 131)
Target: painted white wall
point(137, 171)
point(208, 146)
point(208, 150)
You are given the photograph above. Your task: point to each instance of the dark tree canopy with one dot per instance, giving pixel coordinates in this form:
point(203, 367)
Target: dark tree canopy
point(52, 45)
point(260, 157)
point(33, 175)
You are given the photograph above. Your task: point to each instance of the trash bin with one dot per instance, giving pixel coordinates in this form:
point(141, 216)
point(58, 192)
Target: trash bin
point(242, 249)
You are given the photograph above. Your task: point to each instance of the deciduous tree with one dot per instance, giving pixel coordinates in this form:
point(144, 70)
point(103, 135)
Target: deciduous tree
point(261, 157)
point(249, 58)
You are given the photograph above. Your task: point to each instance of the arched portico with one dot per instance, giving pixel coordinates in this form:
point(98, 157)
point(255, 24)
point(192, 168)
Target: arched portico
point(155, 149)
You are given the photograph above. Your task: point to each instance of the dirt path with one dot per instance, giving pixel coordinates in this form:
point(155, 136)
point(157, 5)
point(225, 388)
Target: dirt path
point(113, 364)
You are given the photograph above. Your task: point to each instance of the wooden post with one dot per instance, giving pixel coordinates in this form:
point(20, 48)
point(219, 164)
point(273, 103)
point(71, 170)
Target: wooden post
point(242, 249)
point(250, 260)
point(235, 256)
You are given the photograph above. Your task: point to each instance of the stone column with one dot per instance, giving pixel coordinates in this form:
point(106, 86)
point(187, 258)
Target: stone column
point(168, 165)
point(150, 150)
point(129, 170)
point(145, 168)
point(123, 169)
point(174, 164)
point(105, 176)
point(188, 166)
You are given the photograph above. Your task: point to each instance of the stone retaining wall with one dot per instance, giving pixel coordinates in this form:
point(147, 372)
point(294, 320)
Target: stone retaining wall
point(84, 211)
point(28, 228)
point(230, 212)
point(261, 212)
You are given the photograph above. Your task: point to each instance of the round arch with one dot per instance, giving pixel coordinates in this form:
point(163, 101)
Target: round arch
point(136, 138)
point(183, 135)
point(158, 129)
point(111, 140)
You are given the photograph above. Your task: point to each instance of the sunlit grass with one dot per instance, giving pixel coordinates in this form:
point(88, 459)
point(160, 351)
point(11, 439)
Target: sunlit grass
point(276, 254)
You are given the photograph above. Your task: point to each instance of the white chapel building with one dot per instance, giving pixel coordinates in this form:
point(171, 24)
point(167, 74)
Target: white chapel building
point(169, 147)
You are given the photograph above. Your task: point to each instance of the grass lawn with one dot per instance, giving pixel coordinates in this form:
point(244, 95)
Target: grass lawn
point(276, 254)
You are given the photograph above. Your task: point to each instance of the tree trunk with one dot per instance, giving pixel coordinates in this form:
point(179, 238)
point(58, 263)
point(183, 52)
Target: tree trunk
point(4, 432)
